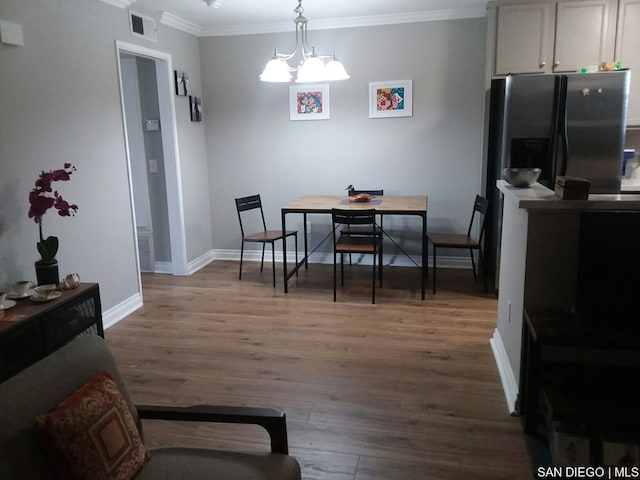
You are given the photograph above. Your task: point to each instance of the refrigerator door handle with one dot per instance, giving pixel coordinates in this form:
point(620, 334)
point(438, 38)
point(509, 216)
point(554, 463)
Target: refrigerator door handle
point(563, 154)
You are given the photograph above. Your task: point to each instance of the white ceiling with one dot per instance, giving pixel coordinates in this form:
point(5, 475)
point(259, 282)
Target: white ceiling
point(266, 16)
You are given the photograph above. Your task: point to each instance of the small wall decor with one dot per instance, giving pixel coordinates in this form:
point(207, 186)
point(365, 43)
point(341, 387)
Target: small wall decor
point(181, 80)
point(392, 98)
point(195, 108)
point(309, 102)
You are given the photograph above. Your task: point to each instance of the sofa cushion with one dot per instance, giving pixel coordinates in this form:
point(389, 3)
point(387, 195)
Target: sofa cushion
point(205, 464)
point(92, 434)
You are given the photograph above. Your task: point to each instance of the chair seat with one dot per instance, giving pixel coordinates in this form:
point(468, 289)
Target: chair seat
point(205, 464)
point(267, 236)
point(459, 240)
point(356, 245)
point(453, 240)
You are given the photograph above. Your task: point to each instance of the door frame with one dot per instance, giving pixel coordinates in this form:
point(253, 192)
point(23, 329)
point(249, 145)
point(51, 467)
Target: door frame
point(173, 178)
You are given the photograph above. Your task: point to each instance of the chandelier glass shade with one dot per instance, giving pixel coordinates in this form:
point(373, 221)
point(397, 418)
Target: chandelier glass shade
point(312, 67)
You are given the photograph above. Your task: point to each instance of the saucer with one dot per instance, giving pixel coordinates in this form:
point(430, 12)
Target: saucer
point(8, 304)
point(41, 298)
point(27, 294)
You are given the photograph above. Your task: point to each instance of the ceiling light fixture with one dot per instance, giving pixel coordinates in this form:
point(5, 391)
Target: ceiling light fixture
point(312, 67)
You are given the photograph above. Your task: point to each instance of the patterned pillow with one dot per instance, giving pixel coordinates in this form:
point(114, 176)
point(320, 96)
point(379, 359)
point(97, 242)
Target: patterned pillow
point(92, 434)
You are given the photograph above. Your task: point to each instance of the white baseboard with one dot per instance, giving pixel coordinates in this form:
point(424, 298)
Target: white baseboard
point(120, 311)
point(202, 261)
point(395, 260)
point(508, 379)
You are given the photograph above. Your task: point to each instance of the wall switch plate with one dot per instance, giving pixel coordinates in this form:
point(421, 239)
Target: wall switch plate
point(153, 165)
point(11, 33)
point(152, 125)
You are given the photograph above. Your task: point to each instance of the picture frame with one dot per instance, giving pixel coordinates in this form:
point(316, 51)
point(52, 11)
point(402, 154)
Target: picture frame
point(392, 98)
point(181, 82)
point(309, 102)
point(195, 108)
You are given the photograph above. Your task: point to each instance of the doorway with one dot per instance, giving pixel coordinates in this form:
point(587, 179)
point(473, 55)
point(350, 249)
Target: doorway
point(153, 164)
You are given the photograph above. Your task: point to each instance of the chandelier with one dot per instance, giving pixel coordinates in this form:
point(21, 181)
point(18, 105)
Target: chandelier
point(312, 66)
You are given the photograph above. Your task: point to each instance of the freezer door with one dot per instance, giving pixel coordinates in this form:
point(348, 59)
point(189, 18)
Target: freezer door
point(531, 123)
point(594, 125)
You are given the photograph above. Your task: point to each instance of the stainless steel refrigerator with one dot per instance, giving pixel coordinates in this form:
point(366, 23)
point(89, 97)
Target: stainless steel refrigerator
point(572, 124)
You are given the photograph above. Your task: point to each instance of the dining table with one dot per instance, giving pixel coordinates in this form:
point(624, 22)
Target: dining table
point(412, 205)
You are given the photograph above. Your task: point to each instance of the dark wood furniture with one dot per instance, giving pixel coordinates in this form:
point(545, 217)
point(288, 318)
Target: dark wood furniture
point(580, 371)
point(30, 331)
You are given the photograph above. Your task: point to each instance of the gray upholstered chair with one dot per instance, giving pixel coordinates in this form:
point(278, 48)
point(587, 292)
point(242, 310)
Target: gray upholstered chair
point(41, 387)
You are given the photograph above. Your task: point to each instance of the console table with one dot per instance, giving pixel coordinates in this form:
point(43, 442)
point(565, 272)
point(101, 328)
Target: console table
point(30, 331)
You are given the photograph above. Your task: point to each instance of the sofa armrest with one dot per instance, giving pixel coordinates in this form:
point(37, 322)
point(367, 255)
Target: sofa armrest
point(272, 420)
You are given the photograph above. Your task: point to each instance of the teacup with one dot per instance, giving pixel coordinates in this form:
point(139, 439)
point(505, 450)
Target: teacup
point(3, 298)
point(45, 291)
point(21, 287)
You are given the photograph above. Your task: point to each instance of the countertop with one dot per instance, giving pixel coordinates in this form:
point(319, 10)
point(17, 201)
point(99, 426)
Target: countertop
point(539, 197)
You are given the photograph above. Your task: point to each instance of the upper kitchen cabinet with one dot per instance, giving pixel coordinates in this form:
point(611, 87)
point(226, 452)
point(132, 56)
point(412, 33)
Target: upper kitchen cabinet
point(628, 52)
point(550, 37)
point(522, 38)
point(585, 34)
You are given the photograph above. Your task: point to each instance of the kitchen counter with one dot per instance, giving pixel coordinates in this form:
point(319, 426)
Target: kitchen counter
point(538, 263)
point(539, 197)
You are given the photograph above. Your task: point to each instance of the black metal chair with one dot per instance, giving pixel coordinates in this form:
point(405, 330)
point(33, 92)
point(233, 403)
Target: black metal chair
point(366, 232)
point(265, 236)
point(365, 218)
point(458, 240)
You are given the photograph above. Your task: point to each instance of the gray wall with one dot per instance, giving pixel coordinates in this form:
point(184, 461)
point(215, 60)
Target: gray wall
point(253, 147)
point(60, 102)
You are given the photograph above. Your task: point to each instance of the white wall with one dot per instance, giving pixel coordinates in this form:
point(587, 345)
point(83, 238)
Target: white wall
point(60, 102)
point(253, 147)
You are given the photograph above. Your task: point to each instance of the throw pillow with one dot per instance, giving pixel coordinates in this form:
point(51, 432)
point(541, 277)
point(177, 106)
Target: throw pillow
point(92, 434)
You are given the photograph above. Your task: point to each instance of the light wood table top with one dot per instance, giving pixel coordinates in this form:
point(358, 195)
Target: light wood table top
point(398, 204)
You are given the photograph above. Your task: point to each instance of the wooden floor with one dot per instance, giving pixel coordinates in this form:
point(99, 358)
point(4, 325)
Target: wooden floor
point(404, 389)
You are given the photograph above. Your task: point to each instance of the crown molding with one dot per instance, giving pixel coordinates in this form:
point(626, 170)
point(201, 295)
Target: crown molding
point(178, 23)
point(119, 3)
point(350, 22)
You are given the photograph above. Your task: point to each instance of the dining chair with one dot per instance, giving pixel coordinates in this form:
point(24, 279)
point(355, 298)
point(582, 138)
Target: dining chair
point(366, 232)
point(253, 202)
point(342, 244)
point(459, 240)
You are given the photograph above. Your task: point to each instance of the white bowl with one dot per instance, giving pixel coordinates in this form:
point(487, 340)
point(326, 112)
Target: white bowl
point(521, 177)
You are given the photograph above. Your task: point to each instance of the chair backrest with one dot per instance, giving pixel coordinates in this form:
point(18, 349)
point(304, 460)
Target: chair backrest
point(251, 202)
point(39, 389)
point(354, 192)
point(365, 217)
point(480, 205)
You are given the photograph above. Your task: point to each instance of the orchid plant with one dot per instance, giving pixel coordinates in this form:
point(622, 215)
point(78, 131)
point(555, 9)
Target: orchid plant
point(42, 199)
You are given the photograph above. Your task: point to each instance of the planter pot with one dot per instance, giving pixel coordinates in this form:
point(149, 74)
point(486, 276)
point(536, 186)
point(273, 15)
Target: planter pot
point(47, 272)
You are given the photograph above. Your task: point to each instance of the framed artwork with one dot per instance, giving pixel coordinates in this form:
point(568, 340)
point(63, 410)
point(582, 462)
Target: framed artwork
point(181, 80)
point(195, 108)
point(393, 98)
point(309, 102)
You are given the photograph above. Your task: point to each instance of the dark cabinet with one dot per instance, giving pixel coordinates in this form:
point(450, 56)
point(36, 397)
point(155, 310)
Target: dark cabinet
point(30, 331)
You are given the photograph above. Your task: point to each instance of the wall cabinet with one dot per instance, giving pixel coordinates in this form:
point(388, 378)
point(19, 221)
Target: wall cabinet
point(628, 53)
point(553, 37)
